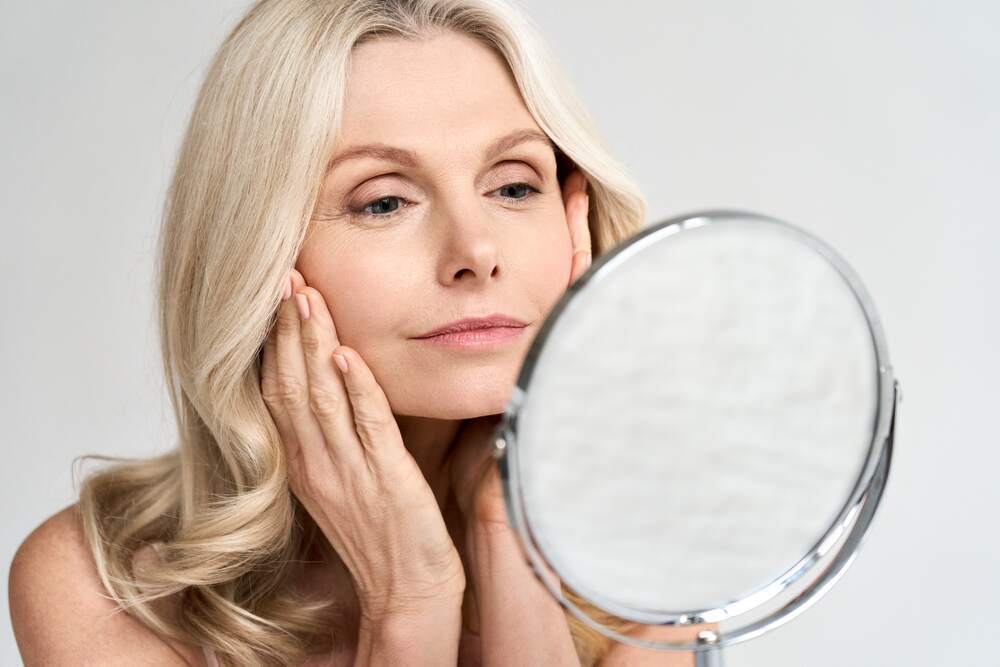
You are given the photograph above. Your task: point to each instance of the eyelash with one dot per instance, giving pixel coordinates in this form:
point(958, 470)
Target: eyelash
point(360, 213)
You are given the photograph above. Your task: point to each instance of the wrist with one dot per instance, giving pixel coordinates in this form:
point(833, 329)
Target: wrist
point(411, 636)
point(495, 547)
point(521, 621)
point(398, 598)
point(394, 610)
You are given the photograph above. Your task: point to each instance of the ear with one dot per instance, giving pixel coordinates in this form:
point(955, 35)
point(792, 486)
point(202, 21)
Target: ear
point(577, 204)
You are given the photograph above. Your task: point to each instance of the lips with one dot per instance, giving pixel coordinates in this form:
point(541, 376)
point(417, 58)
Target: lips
point(473, 323)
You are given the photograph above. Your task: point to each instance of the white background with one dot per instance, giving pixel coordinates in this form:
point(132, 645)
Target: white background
point(876, 125)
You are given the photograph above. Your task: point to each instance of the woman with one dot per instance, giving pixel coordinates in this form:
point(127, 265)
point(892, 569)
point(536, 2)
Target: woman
point(355, 175)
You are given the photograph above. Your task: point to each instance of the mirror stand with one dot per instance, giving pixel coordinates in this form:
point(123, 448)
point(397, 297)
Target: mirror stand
point(709, 653)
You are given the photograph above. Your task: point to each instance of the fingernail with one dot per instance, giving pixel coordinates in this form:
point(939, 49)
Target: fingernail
point(341, 361)
point(303, 304)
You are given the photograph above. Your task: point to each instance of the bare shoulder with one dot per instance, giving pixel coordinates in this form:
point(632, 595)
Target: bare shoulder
point(61, 613)
point(627, 655)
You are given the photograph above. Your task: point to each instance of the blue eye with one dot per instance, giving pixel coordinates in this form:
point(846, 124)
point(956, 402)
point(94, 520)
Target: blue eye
point(383, 212)
point(378, 202)
point(517, 186)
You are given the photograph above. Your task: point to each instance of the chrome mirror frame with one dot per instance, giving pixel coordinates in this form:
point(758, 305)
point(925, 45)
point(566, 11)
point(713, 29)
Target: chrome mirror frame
point(848, 530)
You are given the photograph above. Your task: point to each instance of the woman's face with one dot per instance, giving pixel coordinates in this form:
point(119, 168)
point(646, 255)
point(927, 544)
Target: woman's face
point(402, 245)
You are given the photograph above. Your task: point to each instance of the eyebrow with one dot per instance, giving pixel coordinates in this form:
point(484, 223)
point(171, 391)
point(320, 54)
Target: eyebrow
point(409, 158)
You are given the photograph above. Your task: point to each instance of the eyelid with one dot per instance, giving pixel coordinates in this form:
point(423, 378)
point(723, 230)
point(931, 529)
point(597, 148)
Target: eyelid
point(537, 169)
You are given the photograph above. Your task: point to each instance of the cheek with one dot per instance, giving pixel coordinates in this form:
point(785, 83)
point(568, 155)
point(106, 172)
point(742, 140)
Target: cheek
point(547, 261)
point(361, 290)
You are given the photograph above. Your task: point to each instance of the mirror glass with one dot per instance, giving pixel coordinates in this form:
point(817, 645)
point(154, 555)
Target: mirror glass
point(694, 417)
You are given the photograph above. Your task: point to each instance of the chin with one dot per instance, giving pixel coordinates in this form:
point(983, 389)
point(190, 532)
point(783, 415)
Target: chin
point(453, 400)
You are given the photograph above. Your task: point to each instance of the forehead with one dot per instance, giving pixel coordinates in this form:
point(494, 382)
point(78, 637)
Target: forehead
point(448, 93)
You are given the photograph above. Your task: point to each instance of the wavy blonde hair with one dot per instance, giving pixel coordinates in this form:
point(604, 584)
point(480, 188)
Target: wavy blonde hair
point(244, 185)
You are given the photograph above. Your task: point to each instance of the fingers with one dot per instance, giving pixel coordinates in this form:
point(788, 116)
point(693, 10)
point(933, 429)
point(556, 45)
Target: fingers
point(292, 379)
point(373, 419)
point(577, 204)
point(328, 397)
point(330, 421)
point(272, 398)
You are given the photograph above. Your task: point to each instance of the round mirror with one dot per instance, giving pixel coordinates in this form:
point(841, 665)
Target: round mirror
point(701, 430)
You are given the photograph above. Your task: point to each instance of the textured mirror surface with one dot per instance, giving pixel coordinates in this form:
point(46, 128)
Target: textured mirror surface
point(697, 418)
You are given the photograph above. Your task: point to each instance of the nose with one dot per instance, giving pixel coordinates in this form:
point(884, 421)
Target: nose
point(470, 252)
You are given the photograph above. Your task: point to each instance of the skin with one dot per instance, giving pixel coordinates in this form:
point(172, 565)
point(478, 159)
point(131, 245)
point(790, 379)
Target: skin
point(467, 248)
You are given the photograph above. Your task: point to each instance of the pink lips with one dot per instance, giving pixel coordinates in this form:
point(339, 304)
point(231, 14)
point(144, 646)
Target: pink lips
point(472, 323)
point(476, 332)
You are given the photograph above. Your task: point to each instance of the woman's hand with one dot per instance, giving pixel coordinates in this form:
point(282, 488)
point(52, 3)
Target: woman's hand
point(348, 467)
point(518, 620)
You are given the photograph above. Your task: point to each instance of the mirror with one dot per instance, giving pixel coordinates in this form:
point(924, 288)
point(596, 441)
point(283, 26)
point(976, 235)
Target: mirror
point(701, 430)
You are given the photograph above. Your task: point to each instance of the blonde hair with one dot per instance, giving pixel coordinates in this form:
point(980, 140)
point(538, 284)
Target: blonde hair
point(244, 185)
